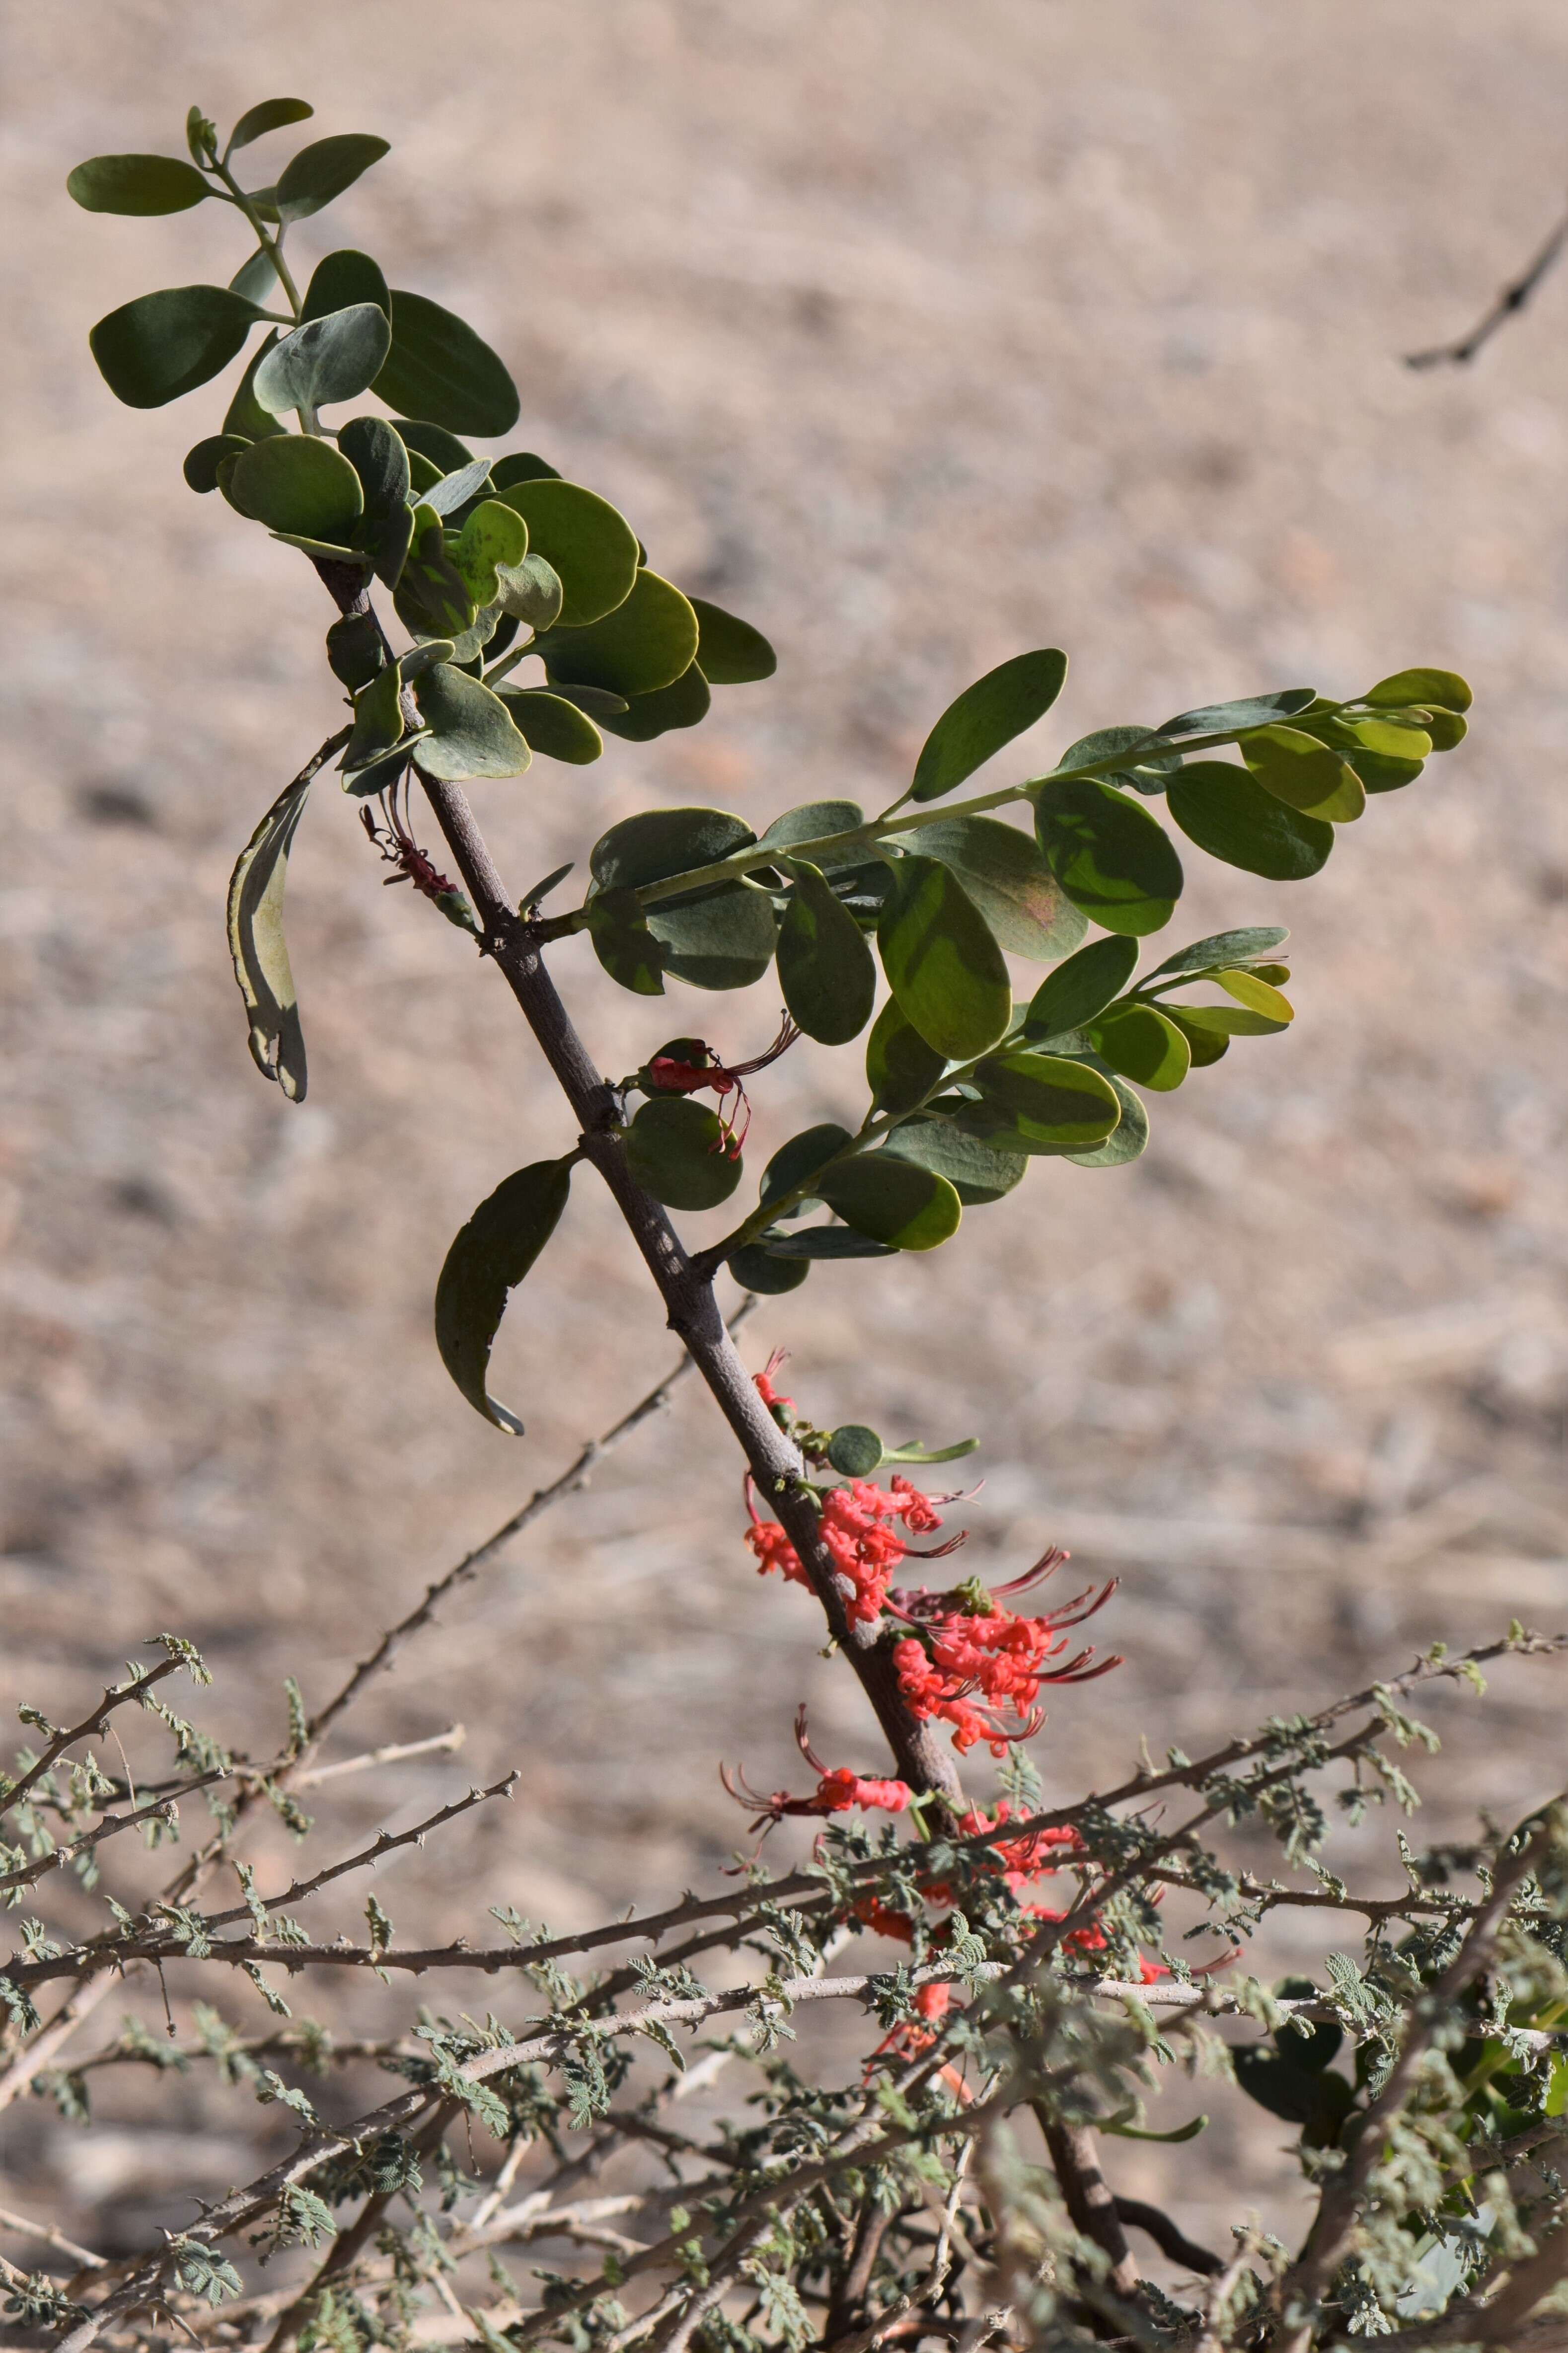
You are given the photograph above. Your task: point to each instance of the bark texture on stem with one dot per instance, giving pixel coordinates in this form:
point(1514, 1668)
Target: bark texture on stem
point(692, 1308)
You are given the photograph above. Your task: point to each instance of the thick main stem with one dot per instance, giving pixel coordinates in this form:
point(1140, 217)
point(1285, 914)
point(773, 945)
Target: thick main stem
point(690, 1306)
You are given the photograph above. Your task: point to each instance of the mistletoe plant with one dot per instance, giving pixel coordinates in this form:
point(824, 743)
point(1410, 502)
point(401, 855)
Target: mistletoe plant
point(842, 2216)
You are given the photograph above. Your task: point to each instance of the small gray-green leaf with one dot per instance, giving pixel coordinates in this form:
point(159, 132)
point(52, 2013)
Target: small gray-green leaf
point(986, 716)
point(827, 973)
point(731, 652)
point(152, 350)
point(678, 1151)
point(1003, 869)
point(1221, 950)
point(137, 184)
point(329, 359)
point(471, 733)
point(1082, 987)
point(489, 1257)
point(296, 484)
point(587, 541)
point(341, 279)
point(893, 1201)
point(623, 943)
point(270, 114)
point(854, 1450)
point(552, 725)
point(977, 1172)
point(441, 372)
point(321, 170)
point(942, 965)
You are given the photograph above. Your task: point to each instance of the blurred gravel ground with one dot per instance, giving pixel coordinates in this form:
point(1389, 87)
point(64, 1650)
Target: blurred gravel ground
point(922, 335)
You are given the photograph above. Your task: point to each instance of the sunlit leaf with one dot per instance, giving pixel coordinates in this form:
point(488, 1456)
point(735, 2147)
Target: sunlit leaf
point(986, 716)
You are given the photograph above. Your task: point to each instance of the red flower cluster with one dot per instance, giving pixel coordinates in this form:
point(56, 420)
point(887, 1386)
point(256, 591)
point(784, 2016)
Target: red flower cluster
point(860, 1532)
point(976, 1666)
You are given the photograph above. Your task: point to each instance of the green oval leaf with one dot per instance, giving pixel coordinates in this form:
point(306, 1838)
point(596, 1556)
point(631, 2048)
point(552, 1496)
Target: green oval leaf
point(814, 821)
point(725, 939)
point(685, 703)
point(310, 179)
point(986, 716)
point(552, 725)
point(893, 1201)
point(1108, 855)
point(623, 943)
point(977, 1172)
point(1041, 1103)
point(1438, 689)
point(1002, 869)
point(523, 465)
point(901, 1069)
point(341, 281)
point(678, 1151)
point(270, 114)
point(493, 535)
point(1304, 774)
point(731, 652)
point(354, 650)
point(1227, 812)
point(378, 457)
point(1129, 1141)
point(828, 1242)
point(1143, 1045)
point(796, 1163)
point(1252, 711)
point(659, 844)
point(257, 944)
point(440, 372)
point(152, 350)
point(245, 414)
point(471, 733)
point(760, 1270)
point(1226, 948)
point(295, 482)
point(646, 642)
point(530, 591)
point(489, 1257)
point(1150, 772)
point(1082, 987)
point(202, 463)
point(1259, 995)
point(582, 536)
point(137, 184)
point(378, 718)
point(855, 1450)
point(827, 973)
point(431, 598)
point(942, 965)
point(332, 358)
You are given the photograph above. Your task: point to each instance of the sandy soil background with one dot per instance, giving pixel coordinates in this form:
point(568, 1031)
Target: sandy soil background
point(920, 335)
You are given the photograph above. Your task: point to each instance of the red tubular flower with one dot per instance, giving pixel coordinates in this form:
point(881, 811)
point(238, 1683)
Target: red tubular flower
point(861, 1535)
point(836, 1789)
point(975, 1665)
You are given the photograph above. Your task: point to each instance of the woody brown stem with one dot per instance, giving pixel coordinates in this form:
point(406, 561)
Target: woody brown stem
point(1089, 2203)
point(692, 1308)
